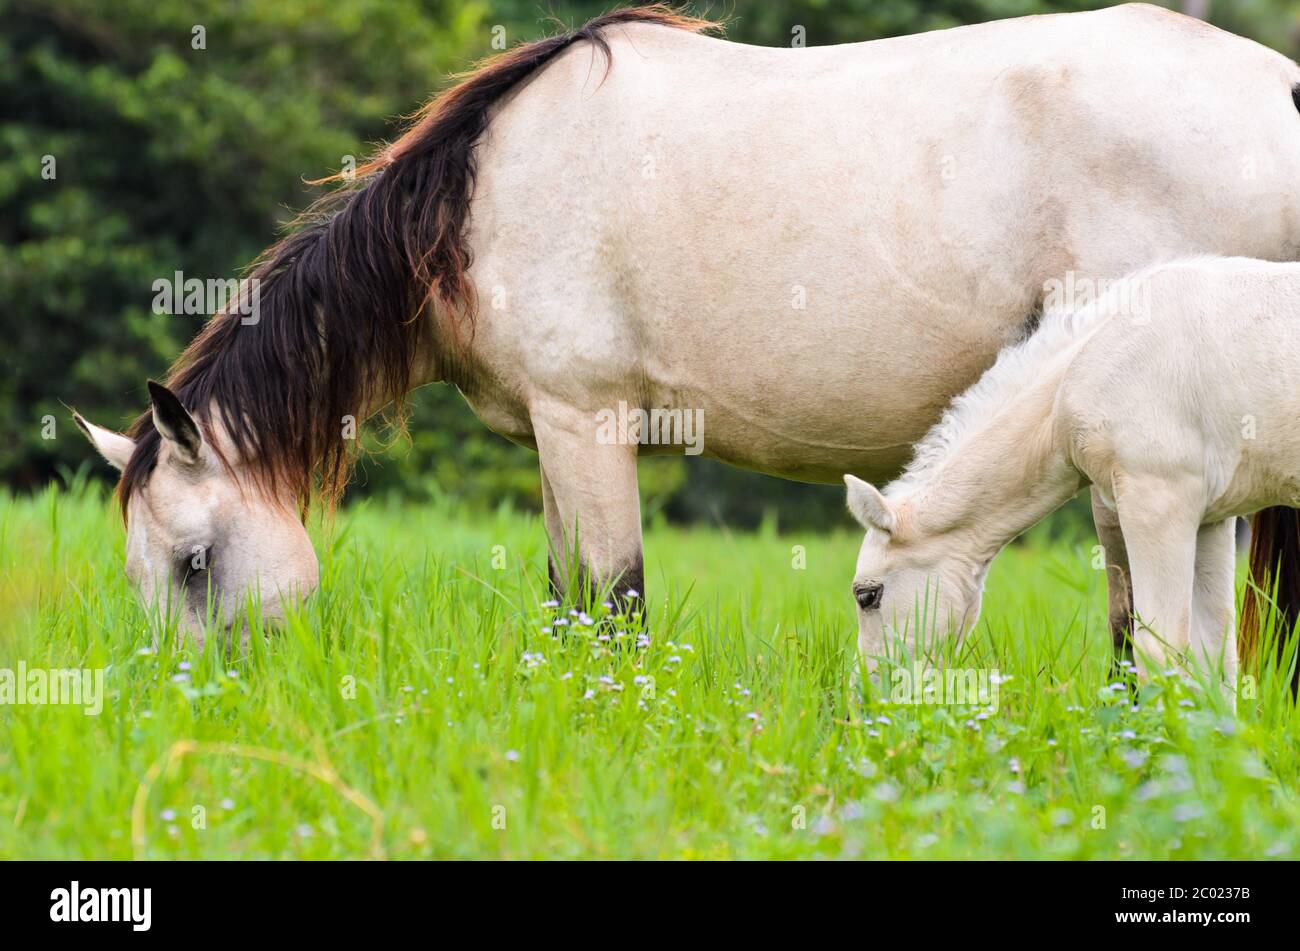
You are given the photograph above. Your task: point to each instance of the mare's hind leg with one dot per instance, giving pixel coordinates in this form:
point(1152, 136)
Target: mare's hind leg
point(1160, 519)
point(1119, 593)
point(591, 505)
point(1214, 642)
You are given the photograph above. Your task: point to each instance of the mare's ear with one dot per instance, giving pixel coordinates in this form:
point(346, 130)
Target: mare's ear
point(869, 507)
point(114, 447)
point(175, 424)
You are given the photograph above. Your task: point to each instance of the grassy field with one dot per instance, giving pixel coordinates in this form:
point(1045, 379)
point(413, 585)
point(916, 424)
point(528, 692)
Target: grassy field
point(419, 707)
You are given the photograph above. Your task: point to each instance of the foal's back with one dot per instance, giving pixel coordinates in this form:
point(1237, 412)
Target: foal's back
point(1194, 373)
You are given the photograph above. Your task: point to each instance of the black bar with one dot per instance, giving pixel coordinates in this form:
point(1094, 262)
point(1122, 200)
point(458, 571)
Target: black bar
point(333, 900)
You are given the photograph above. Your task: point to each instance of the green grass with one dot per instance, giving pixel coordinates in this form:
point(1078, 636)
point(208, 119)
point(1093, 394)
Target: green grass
point(417, 709)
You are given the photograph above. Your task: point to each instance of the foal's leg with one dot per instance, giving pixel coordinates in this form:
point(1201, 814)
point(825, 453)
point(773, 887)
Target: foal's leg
point(1119, 593)
point(1160, 520)
point(1214, 643)
point(591, 505)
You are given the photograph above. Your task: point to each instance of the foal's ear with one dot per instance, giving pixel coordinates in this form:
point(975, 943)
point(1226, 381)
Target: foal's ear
point(114, 447)
point(869, 507)
point(175, 424)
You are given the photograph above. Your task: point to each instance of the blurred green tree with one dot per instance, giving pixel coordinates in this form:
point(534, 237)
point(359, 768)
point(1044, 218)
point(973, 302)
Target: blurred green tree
point(143, 137)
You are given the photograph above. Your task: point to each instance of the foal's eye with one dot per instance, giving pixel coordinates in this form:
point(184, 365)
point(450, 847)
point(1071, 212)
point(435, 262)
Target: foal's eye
point(869, 595)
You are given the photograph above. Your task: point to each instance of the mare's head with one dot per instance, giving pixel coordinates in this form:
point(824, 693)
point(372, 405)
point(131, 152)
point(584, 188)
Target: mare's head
point(259, 414)
point(915, 586)
point(203, 537)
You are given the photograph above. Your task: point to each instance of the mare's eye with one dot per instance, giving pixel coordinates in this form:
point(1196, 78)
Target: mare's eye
point(194, 565)
point(868, 595)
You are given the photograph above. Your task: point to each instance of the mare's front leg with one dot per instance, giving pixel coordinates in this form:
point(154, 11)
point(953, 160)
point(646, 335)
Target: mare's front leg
point(1119, 593)
point(1214, 642)
point(1160, 519)
point(591, 505)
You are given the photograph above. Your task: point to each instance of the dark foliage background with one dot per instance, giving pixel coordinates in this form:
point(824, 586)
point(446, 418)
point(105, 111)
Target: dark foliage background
point(180, 135)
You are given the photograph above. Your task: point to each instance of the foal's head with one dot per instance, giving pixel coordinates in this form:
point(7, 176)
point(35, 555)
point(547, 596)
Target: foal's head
point(202, 539)
point(913, 585)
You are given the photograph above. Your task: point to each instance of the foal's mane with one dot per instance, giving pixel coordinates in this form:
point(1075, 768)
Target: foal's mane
point(1059, 330)
point(339, 326)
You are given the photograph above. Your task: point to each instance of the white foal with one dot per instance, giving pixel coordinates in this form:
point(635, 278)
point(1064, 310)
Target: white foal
point(1174, 392)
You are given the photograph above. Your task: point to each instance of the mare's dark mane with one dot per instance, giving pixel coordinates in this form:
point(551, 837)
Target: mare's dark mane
point(339, 328)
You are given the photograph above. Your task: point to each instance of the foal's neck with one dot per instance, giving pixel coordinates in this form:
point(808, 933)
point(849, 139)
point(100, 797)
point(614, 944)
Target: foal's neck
point(1010, 470)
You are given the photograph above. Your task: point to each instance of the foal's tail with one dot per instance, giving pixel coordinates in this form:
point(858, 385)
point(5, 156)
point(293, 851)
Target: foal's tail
point(1273, 589)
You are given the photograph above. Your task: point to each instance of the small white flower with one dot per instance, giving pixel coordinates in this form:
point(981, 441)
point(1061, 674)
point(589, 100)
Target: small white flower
point(1188, 811)
point(886, 792)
